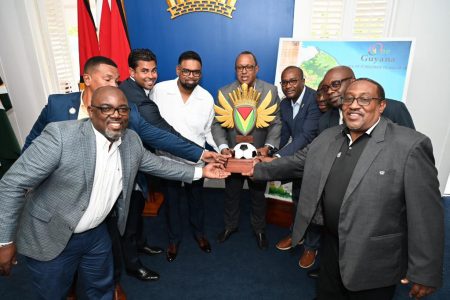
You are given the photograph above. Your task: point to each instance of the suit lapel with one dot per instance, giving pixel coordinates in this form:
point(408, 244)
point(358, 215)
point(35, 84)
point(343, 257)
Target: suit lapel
point(329, 158)
point(89, 148)
point(373, 147)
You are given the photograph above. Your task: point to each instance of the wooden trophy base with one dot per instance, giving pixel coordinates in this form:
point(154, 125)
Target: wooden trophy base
point(234, 165)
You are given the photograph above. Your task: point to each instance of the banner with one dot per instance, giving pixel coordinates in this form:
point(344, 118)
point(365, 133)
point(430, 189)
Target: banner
point(217, 30)
point(385, 61)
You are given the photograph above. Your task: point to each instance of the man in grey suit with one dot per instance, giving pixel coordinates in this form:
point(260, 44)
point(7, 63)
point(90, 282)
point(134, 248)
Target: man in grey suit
point(264, 139)
point(55, 198)
point(373, 185)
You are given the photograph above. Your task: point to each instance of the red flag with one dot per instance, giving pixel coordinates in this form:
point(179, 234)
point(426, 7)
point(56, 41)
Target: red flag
point(105, 30)
point(87, 37)
point(120, 45)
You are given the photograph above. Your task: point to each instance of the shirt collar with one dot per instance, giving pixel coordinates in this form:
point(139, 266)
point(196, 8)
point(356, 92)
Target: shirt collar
point(368, 132)
point(299, 99)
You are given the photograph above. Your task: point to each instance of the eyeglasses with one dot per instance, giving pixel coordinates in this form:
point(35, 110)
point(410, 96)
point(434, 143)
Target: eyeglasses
point(109, 110)
point(334, 85)
point(363, 101)
point(292, 82)
point(248, 68)
point(187, 72)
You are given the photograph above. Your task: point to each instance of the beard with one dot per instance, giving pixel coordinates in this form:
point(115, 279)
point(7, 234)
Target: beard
point(114, 135)
point(188, 86)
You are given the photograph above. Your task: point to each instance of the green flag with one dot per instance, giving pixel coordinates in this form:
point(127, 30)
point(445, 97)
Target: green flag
point(9, 147)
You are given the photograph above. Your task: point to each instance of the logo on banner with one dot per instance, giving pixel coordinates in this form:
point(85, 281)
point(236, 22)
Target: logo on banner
point(180, 7)
point(244, 115)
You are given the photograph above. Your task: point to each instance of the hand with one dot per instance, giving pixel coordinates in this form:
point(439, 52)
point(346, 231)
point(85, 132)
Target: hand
point(255, 161)
point(210, 156)
point(227, 151)
point(418, 290)
point(215, 171)
point(263, 151)
point(7, 259)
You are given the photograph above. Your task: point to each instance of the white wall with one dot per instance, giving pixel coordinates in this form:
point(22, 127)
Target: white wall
point(428, 99)
point(19, 64)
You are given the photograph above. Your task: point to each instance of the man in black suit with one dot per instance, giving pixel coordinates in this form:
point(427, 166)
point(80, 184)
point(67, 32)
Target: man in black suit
point(335, 83)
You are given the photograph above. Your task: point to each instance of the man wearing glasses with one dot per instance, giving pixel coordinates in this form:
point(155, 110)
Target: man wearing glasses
point(334, 85)
point(374, 186)
point(264, 139)
point(189, 108)
point(299, 116)
point(143, 75)
point(78, 172)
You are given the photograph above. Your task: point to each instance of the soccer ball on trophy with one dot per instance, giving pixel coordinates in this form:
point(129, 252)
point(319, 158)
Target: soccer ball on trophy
point(244, 151)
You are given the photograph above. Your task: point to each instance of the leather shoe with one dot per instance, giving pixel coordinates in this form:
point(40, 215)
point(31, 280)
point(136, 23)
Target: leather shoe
point(204, 244)
point(143, 273)
point(314, 273)
point(262, 241)
point(286, 243)
point(150, 250)
point(119, 294)
point(172, 252)
point(308, 258)
point(72, 295)
point(225, 235)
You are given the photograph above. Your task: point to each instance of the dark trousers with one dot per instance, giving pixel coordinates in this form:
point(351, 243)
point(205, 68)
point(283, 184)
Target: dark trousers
point(233, 189)
point(89, 253)
point(172, 196)
point(116, 244)
point(330, 284)
point(314, 232)
point(133, 237)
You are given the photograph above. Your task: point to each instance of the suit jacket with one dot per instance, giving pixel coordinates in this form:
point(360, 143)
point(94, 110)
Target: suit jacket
point(303, 128)
point(58, 171)
point(147, 108)
point(261, 136)
point(63, 107)
point(391, 220)
point(395, 111)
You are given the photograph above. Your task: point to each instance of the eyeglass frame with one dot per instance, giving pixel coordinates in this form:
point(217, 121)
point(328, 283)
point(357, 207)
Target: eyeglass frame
point(291, 82)
point(338, 83)
point(366, 100)
point(247, 68)
point(126, 109)
point(187, 72)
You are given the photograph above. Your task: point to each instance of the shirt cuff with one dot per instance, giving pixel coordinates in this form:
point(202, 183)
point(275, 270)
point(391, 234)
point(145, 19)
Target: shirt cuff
point(223, 146)
point(198, 173)
point(5, 244)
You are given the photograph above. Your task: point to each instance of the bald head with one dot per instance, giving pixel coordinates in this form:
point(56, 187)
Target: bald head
point(107, 91)
point(335, 83)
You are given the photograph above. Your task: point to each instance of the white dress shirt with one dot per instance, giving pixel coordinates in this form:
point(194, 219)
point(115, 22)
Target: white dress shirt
point(297, 104)
point(192, 119)
point(107, 184)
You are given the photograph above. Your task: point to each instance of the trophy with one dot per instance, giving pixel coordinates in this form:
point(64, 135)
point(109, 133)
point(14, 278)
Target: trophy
point(244, 116)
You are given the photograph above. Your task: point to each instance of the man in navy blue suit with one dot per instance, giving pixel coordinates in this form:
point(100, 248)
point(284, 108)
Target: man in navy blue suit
point(300, 118)
point(101, 71)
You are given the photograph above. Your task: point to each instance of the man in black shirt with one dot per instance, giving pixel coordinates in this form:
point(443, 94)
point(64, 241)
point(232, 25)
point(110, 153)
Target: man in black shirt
point(374, 186)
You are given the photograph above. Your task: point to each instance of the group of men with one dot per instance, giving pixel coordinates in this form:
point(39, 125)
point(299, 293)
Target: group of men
point(357, 184)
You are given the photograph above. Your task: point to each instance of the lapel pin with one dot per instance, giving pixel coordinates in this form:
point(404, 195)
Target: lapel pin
point(338, 155)
point(381, 172)
point(72, 111)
